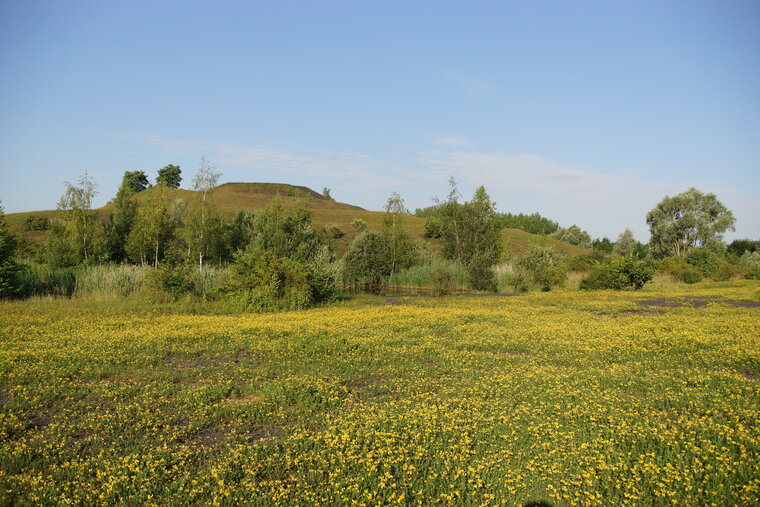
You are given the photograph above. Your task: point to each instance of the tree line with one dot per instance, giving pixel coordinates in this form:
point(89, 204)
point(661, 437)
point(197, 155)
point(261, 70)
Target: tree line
point(274, 258)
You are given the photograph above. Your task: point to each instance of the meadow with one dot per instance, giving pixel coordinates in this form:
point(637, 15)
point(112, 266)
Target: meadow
point(569, 398)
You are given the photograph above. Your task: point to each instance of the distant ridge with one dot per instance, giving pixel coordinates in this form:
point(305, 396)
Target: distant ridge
point(229, 198)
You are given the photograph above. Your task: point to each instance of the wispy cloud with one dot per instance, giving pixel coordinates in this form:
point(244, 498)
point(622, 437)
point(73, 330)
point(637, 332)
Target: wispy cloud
point(452, 142)
point(472, 85)
point(603, 202)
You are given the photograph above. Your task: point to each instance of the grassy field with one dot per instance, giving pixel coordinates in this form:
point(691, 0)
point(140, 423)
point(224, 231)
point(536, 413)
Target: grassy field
point(569, 398)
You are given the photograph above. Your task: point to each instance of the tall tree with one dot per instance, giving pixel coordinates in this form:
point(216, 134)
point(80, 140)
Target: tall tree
point(9, 268)
point(471, 233)
point(137, 180)
point(147, 240)
point(402, 252)
point(575, 236)
point(83, 229)
point(122, 219)
point(169, 176)
point(200, 221)
point(626, 244)
point(687, 220)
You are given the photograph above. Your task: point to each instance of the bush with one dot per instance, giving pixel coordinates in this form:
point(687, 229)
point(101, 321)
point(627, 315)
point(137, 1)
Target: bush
point(681, 270)
point(333, 231)
point(481, 273)
point(618, 274)
point(433, 227)
point(753, 273)
point(173, 282)
point(266, 283)
point(367, 262)
point(727, 271)
point(542, 266)
point(703, 259)
point(442, 282)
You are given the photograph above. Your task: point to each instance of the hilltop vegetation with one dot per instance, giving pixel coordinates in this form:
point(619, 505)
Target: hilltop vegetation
point(286, 246)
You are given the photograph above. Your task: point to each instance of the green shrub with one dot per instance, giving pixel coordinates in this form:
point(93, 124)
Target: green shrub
point(333, 231)
point(367, 261)
point(173, 282)
point(542, 265)
point(266, 283)
point(702, 259)
point(727, 271)
point(681, 270)
point(753, 273)
point(442, 282)
point(433, 227)
point(618, 274)
point(481, 273)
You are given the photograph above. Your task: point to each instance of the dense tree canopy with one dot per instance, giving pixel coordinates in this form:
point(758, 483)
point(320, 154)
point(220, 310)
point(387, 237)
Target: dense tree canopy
point(8, 266)
point(687, 220)
point(169, 176)
point(137, 180)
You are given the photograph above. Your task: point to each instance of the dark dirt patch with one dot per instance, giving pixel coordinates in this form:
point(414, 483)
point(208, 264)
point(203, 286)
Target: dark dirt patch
point(206, 360)
point(695, 302)
point(745, 304)
point(262, 432)
point(5, 396)
point(750, 376)
point(243, 400)
point(625, 312)
point(207, 438)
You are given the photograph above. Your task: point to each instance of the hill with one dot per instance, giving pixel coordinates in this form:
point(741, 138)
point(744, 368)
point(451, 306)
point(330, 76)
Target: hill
point(231, 197)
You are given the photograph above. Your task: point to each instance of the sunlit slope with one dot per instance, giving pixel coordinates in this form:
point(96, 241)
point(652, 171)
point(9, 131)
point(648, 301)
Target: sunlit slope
point(231, 197)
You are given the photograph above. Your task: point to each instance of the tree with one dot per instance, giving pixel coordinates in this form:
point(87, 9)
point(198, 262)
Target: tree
point(625, 245)
point(402, 252)
point(326, 193)
point(137, 180)
point(82, 227)
point(200, 219)
point(575, 236)
point(121, 220)
point(471, 234)
point(146, 242)
point(687, 220)
point(9, 268)
point(367, 261)
point(169, 176)
point(603, 245)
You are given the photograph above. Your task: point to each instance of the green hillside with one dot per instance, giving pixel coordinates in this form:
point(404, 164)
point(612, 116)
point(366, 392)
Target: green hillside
point(231, 197)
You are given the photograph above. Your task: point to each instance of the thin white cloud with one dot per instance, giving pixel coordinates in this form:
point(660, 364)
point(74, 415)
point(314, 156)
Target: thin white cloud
point(472, 85)
point(452, 142)
point(603, 202)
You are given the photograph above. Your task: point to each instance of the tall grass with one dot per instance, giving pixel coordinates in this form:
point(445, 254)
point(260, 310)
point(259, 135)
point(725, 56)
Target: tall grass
point(423, 276)
point(109, 280)
point(37, 280)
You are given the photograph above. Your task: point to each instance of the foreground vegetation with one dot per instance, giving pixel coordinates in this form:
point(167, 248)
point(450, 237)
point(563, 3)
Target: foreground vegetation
point(593, 398)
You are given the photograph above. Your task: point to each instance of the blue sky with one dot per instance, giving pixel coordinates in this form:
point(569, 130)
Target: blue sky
point(589, 112)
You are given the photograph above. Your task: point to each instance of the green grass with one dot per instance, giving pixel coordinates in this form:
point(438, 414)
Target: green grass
point(597, 398)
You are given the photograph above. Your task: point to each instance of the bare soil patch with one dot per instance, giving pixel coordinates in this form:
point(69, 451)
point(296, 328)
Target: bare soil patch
point(695, 302)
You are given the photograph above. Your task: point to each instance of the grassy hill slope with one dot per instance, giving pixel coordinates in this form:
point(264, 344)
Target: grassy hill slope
point(231, 197)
